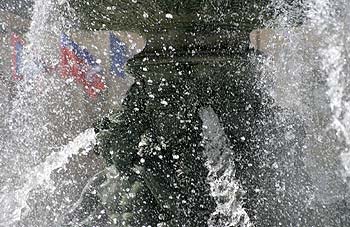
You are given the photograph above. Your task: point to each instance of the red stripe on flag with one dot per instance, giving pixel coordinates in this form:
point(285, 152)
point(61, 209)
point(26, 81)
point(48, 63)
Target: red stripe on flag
point(73, 66)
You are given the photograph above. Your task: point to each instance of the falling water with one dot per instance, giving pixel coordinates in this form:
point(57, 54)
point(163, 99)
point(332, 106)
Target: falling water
point(41, 133)
point(307, 66)
point(333, 21)
point(221, 177)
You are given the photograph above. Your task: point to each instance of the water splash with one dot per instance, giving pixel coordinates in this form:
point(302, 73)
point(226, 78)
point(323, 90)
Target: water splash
point(15, 202)
point(333, 21)
point(224, 188)
point(308, 70)
point(34, 109)
point(38, 124)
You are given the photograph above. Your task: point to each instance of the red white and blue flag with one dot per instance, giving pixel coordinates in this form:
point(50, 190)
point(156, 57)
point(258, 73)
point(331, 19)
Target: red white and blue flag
point(78, 63)
point(17, 44)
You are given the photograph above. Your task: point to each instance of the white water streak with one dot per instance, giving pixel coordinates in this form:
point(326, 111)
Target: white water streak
point(46, 26)
point(331, 17)
point(224, 187)
point(15, 201)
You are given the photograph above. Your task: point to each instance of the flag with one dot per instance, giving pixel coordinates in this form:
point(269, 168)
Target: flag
point(82, 66)
point(118, 55)
point(17, 44)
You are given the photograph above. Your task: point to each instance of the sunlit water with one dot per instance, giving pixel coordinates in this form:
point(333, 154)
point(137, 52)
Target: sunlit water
point(307, 70)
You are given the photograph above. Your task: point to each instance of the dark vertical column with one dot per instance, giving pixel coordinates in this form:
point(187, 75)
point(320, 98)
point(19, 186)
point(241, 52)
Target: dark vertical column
point(191, 60)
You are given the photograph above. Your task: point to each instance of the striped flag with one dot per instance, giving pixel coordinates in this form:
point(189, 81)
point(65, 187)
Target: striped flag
point(82, 66)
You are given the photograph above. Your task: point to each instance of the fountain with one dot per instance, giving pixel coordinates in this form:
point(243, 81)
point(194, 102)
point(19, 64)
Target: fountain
point(230, 113)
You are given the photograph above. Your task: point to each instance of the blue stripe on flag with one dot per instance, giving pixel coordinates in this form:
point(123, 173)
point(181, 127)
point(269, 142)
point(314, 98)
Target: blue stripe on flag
point(118, 55)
